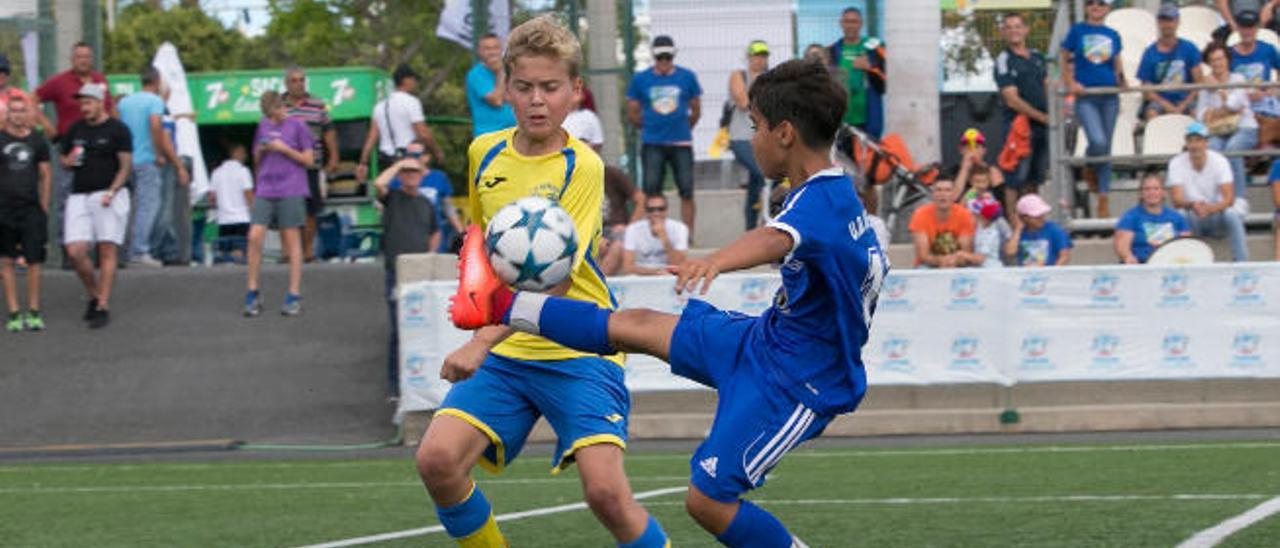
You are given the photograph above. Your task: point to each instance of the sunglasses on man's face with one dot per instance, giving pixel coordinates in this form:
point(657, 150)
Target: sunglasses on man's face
point(664, 57)
point(658, 209)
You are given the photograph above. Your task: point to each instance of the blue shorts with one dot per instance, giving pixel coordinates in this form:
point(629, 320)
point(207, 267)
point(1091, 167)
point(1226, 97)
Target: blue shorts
point(755, 424)
point(584, 400)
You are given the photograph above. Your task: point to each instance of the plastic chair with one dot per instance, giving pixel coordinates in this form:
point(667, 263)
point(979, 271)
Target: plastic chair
point(1198, 19)
point(1165, 134)
point(1264, 35)
point(1121, 139)
point(1137, 28)
point(1199, 38)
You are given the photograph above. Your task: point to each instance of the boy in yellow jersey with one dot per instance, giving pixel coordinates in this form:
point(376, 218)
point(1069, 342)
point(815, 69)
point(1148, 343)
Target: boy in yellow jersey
point(505, 381)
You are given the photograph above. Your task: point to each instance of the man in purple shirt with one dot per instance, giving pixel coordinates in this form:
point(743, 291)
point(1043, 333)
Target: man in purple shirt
point(282, 151)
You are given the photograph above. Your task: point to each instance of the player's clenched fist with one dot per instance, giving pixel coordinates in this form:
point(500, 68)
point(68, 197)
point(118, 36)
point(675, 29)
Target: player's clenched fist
point(693, 272)
point(463, 362)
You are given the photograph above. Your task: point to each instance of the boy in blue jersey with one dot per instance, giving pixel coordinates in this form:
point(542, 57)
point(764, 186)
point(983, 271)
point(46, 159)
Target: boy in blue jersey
point(505, 381)
point(783, 376)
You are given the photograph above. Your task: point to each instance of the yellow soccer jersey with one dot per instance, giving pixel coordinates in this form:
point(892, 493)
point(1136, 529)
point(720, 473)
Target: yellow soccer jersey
point(574, 177)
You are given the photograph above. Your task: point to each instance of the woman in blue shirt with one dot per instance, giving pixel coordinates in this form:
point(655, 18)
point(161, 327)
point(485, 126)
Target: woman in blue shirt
point(1091, 58)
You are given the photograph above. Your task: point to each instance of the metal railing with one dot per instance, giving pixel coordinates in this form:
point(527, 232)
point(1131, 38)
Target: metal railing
point(1062, 160)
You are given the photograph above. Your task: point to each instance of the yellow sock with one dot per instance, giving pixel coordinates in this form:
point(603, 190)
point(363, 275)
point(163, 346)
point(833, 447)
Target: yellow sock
point(487, 536)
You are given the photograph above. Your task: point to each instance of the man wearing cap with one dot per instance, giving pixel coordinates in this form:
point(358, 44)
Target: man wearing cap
point(98, 151)
point(740, 129)
point(665, 101)
point(1037, 241)
point(410, 224)
point(397, 121)
point(1251, 58)
point(485, 82)
point(859, 62)
point(1021, 76)
point(1168, 60)
point(61, 90)
point(1202, 186)
point(1230, 10)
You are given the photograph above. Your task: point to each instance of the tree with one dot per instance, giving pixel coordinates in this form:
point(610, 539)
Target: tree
point(383, 34)
point(202, 41)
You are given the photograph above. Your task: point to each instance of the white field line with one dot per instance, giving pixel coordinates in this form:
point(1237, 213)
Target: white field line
point(37, 490)
point(998, 500)
point(500, 518)
point(822, 453)
point(1216, 534)
point(802, 453)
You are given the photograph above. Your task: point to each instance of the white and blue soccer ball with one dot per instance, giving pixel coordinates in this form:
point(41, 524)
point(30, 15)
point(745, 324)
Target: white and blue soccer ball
point(531, 244)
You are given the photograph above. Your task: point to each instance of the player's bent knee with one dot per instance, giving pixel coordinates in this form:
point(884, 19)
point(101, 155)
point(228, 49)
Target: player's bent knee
point(440, 463)
point(608, 501)
point(711, 514)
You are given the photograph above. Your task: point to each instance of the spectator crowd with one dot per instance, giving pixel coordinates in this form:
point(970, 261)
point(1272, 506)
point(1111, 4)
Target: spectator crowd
point(117, 177)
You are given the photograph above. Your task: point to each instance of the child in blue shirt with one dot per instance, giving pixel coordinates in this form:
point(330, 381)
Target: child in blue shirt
point(782, 376)
point(1036, 240)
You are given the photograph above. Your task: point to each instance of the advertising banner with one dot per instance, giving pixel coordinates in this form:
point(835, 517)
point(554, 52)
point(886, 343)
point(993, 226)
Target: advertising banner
point(998, 326)
point(232, 97)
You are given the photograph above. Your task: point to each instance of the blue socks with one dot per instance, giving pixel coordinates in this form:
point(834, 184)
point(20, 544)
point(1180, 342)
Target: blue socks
point(576, 324)
point(466, 517)
point(752, 527)
point(653, 537)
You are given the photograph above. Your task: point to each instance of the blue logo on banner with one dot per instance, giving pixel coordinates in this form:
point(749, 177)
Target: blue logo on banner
point(1104, 349)
point(415, 366)
point(1246, 349)
point(755, 296)
point(1175, 351)
point(964, 353)
point(619, 294)
point(1244, 289)
point(1103, 291)
point(964, 293)
point(1032, 290)
point(896, 355)
point(893, 294)
point(1035, 350)
point(413, 310)
point(1174, 291)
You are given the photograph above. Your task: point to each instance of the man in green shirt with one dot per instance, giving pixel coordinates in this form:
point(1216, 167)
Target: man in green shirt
point(860, 65)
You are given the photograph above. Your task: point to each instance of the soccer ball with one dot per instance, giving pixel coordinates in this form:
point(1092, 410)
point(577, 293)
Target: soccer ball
point(531, 244)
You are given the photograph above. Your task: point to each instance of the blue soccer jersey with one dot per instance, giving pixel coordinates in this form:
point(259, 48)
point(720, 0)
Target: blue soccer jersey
point(821, 316)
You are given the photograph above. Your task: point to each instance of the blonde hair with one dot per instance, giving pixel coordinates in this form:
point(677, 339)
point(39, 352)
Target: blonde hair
point(543, 36)
point(270, 100)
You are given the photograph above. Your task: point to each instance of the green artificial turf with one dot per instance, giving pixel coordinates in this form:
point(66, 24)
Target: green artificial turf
point(1088, 495)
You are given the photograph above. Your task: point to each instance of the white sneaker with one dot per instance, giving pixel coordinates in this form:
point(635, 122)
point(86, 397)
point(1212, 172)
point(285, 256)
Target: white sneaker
point(145, 260)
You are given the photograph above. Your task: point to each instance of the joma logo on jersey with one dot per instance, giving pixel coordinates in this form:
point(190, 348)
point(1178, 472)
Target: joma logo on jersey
point(495, 181)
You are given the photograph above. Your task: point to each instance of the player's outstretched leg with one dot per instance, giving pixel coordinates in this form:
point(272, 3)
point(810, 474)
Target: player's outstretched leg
point(482, 299)
point(738, 524)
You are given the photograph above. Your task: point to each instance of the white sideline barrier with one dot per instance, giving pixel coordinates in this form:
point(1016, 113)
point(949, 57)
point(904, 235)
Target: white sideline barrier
point(998, 326)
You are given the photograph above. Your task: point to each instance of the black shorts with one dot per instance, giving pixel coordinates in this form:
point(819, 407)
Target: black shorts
point(315, 203)
point(24, 232)
point(238, 229)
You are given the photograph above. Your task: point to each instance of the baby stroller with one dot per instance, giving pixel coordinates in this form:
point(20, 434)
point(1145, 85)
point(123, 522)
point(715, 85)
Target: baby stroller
point(886, 163)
